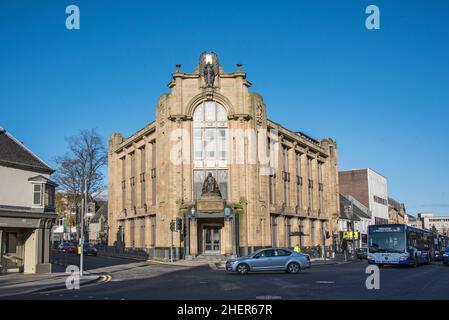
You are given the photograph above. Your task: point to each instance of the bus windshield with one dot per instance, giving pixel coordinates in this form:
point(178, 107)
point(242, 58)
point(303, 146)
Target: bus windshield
point(387, 242)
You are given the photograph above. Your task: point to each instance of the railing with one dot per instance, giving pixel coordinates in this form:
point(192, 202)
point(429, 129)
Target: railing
point(317, 251)
point(59, 257)
point(128, 253)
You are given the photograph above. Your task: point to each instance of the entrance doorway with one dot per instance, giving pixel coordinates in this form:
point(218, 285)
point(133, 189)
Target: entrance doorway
point(211, 239)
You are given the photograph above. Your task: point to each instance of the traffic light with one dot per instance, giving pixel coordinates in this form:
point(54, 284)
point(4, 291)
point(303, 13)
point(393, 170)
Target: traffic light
point(172, 225)
point(178, 223)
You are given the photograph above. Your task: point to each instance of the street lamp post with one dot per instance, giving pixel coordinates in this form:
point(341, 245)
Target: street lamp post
point(83, 214)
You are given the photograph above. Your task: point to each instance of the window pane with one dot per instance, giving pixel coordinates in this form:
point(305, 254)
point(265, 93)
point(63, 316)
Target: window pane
point(222, 144)
point(221, 113)
point(210, 143)
point(37, 195)
point(198, 144)
point(210, 111)
point(198, 115)
point(199, 177)
point(222, 180)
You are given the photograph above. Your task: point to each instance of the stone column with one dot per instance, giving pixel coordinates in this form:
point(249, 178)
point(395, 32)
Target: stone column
point(193, 237)
point(318, 233)
point(312, 233)
point(281, 228)
point(226, 245)
point(301, 230)
point(46, 245)
point(234, 235)
point(187, 238)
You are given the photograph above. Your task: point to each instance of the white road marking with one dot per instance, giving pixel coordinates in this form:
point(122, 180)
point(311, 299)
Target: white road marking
point(268, 297)
point(229, 286)
point(325, 282)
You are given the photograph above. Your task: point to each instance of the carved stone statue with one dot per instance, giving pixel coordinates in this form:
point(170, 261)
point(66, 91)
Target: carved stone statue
point(210, 186)
point(209, 68)
point(209, 75)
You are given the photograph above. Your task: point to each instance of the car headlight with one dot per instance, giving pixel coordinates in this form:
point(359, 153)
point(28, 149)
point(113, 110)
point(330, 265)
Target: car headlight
point(370, 258)
point(445, 255)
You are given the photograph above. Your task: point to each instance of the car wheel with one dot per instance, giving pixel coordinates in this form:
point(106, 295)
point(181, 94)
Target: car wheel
point(293, 267)
point(243, 268)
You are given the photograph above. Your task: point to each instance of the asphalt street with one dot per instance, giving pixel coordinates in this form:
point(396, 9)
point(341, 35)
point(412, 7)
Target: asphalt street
point(140, 280)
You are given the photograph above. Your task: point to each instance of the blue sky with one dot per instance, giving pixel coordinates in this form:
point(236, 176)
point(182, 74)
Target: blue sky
point(383, 95)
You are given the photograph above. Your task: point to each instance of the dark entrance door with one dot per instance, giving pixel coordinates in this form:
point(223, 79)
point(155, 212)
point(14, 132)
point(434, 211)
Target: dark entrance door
point(211, 239)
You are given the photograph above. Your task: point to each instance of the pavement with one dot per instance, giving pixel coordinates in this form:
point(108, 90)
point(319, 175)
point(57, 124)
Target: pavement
point(20, 284)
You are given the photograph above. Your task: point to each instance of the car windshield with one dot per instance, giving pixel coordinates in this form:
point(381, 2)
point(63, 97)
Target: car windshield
point(387, 242)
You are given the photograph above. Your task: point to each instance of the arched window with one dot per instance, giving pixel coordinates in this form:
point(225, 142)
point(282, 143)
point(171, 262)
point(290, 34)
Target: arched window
point(210, 145)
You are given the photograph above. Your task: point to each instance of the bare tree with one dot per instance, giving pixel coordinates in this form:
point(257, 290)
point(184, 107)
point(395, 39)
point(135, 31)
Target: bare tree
point(80, 168)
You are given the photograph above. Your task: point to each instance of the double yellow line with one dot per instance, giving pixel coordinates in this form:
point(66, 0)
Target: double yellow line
point(105, 278)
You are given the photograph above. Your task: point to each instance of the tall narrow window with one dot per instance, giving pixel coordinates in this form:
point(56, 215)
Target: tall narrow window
point(123, 160)
point(298, 180)
point(285, 177)
point(153, 173)
point(272, 176)
point(37, 194)
point(272, 187)
point(143, 198)
point(310, 186)
point(320, 187)
point(133, 180)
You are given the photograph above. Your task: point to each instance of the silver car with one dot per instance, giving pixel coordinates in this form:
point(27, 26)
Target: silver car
point(275, 259)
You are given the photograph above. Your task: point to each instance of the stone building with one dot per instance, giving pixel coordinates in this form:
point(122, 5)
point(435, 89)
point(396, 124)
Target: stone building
point(397, 212)
point(413, 221)
point(27, 208)
point(238, 181)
